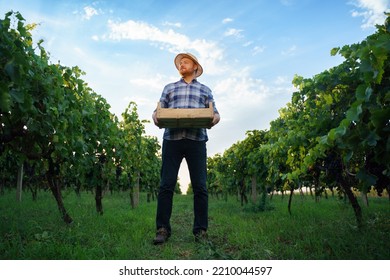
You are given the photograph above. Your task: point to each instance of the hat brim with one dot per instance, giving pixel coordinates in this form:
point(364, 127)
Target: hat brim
point(180, 56)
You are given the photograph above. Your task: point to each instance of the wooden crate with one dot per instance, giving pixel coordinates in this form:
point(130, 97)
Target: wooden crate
point(185, 118)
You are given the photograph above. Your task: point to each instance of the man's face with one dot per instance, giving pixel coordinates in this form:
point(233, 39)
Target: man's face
point(187, 67)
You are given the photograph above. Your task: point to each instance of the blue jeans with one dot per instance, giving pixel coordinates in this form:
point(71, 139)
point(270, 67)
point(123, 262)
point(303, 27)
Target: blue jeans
point(195, 154)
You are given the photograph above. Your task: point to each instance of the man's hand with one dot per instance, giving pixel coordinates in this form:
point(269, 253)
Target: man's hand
point(215, 119)
point(154, 117)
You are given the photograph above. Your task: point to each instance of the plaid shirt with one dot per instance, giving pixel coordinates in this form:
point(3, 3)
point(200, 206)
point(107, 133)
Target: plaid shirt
point(183, 95)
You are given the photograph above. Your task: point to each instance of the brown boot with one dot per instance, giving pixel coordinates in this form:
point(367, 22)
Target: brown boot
point(201, 236)
point(162, 236)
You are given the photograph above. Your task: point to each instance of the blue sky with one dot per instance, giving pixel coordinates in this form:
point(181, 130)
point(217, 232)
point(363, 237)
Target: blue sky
point(250, 49)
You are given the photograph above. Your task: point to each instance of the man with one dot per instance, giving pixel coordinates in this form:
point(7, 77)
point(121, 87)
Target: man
point(188, 143)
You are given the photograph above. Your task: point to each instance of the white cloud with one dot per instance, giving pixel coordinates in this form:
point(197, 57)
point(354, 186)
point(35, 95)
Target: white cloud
point(155, 83)
point(372, 11)
point(227, 20)
point(245, 103)
point(258, 49)
point(89, 12)
point(240, 88)
point(208, 52)
point(174, 24)
point(241, 91)
point(281, 80)
point(137, 30)
point(233, 32)
point(290, 51)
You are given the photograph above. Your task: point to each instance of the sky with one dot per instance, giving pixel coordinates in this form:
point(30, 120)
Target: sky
point(250, 50)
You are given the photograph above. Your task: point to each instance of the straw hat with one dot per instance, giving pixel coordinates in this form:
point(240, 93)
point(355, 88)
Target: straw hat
point(193, 58)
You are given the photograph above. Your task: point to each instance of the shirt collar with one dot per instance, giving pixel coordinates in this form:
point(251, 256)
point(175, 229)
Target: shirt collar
point(193, 81)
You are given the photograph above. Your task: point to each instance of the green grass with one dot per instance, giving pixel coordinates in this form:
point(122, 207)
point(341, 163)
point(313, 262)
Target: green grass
point(314, 231)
